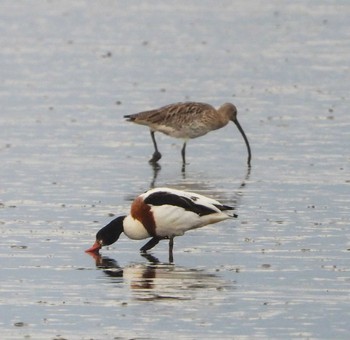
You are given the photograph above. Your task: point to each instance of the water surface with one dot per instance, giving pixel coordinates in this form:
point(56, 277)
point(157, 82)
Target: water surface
point(69, 164)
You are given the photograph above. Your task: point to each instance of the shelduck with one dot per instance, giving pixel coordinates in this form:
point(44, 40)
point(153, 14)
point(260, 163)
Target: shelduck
point(162, 213)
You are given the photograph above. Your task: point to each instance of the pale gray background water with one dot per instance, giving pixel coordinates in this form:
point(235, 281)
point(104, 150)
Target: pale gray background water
point(71, 70)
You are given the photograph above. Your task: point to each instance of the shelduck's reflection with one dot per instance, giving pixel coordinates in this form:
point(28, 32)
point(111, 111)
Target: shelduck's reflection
point(156, 280)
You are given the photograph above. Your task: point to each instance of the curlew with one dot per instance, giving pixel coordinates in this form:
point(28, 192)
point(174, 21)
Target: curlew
point(186, 121)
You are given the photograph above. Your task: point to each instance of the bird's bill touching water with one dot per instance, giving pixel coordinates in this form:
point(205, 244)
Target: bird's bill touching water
point(239, 127)
point(108, 234)
point(95, 248)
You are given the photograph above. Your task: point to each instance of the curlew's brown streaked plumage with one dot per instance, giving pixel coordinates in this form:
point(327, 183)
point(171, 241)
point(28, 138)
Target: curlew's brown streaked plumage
point(186, 121)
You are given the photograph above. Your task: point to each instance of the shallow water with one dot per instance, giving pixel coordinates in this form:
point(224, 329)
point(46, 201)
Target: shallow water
point(70, 163)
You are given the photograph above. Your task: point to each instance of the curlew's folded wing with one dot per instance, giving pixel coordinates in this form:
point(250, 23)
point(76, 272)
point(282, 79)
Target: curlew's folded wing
point(171, 115)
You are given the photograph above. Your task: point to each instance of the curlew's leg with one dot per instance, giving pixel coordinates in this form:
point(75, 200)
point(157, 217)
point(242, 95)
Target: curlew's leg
point(171, 246)
point(150, 244)
point(156, 155)
point(183, 153)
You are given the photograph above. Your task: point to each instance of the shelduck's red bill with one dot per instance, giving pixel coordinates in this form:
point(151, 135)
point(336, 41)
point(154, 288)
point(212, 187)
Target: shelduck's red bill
point(94, 249)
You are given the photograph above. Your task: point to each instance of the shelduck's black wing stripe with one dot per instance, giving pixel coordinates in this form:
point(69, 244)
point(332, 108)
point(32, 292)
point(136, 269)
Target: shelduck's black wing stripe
point(224, 207)
point(162, 198)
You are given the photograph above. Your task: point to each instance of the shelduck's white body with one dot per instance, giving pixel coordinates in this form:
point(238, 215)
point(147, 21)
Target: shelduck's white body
point(170, 218)
point(163, 213)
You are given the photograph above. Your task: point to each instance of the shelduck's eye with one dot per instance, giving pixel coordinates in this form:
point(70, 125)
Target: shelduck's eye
point(194, 198)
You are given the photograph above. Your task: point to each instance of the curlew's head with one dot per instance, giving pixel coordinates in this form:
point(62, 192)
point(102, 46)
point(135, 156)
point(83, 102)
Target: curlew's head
point(231, 112)
point(108, 234)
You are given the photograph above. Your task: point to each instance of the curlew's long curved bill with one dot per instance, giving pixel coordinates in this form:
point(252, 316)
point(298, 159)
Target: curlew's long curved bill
point(245, 139)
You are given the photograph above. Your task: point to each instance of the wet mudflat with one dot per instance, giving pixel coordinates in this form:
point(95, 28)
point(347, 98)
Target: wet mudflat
point(69, 164)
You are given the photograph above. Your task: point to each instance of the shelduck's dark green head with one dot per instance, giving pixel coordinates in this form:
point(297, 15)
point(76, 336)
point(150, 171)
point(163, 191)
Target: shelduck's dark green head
point(108, 234)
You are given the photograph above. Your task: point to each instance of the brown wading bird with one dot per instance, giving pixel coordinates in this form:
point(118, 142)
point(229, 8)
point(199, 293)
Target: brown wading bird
point(186, 121)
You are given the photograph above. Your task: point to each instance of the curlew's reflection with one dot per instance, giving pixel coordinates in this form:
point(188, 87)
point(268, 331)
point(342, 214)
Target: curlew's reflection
point(198, 183)
point(155, 168)
point(153, 279)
